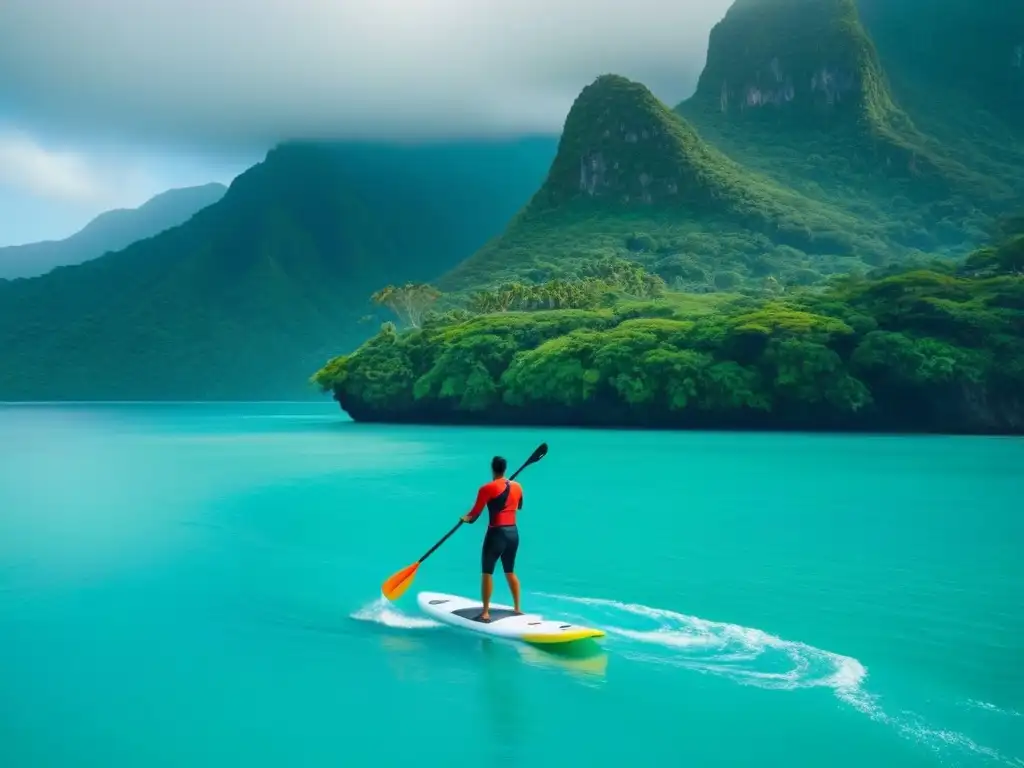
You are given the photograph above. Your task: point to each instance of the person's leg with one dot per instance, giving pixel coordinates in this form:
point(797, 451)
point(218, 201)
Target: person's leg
point(513, 587)
point(486, 590)
point(508, 563)
point(489, 558)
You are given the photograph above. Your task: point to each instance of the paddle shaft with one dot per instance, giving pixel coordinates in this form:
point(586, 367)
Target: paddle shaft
point(455, 527)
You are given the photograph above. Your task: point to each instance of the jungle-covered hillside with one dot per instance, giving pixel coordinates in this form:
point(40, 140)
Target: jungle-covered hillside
point(937, 347)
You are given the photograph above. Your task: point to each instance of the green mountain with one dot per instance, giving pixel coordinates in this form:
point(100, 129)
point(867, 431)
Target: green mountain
point(800, 62)
point(798, 156)
point(632, 178)
point(801, 91)
point(243, 299)
point(110, 231)
point(802, 65)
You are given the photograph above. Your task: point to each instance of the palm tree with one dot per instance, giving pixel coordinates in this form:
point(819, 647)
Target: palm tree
point(409, 302)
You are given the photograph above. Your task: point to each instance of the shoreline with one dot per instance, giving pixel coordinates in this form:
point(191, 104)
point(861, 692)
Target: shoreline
point(507, 419)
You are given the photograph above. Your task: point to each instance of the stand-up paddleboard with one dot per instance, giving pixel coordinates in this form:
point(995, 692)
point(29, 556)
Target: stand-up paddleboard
point(505, 622)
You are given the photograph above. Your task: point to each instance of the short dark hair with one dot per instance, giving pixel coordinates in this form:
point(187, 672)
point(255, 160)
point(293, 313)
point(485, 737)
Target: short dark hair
point(498, 465)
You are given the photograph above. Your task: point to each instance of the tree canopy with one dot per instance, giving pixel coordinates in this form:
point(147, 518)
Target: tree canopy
point(935, 349)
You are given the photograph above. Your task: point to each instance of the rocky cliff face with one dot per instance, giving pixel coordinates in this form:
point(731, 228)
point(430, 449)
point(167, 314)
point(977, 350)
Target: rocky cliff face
point(809, 60)
point(626, 161)
point(621, 145)
point(806, 69)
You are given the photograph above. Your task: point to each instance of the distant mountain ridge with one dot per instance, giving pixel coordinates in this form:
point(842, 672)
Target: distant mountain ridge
point(110, 231)
point(245, 297)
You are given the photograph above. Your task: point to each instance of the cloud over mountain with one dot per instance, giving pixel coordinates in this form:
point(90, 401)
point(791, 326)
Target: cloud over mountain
point(257, 71)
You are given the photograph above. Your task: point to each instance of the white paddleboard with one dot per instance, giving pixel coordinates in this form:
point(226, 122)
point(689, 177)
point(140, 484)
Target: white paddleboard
point(505, 622)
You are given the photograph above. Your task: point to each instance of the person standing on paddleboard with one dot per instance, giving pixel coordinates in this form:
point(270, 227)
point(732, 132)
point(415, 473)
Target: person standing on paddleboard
point(503, 498)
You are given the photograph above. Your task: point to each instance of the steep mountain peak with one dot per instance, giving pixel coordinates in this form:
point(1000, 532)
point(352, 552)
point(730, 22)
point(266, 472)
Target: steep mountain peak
point(808, 59)
point(625, 160)
point(807, 69)
point(616, 145)
point(621, 145)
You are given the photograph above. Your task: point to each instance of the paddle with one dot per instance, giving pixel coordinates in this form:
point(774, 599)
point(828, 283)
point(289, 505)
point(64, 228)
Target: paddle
point(394, 587)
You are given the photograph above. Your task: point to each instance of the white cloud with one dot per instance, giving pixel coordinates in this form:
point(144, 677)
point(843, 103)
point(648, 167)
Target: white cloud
point(257, 71)
point(90, 176)
point(116, 100)
point(35, 170)
point(94, 180)
point(49, 192)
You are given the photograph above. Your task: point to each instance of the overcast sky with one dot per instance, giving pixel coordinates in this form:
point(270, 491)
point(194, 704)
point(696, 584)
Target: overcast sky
point(104, 103)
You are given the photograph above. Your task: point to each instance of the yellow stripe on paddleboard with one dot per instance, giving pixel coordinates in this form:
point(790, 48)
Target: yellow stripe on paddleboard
point(568, 636)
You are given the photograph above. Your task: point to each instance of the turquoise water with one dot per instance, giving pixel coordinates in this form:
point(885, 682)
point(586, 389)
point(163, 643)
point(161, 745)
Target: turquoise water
point(198, 585)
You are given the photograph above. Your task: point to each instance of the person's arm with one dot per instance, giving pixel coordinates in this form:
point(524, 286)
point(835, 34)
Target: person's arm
point(481, 501)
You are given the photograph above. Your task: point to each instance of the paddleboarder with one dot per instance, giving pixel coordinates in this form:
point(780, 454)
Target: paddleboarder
point(503, 498)
point(395, 585)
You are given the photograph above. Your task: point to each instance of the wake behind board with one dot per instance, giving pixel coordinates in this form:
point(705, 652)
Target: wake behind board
point(505, 622)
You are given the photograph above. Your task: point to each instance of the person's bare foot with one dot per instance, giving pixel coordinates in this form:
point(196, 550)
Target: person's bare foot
point(484, 617)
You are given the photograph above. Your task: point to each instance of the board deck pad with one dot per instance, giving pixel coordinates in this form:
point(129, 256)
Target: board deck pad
point(505, 621)
point(497, 614)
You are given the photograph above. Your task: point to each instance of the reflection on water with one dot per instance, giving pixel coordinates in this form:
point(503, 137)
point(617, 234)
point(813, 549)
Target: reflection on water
point(585, 662)
point(589, 664)
point(494, 669)
point(501, 702)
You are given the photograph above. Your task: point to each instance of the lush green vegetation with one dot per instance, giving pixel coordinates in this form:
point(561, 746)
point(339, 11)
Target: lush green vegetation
point(936, 348)
point(695, 255)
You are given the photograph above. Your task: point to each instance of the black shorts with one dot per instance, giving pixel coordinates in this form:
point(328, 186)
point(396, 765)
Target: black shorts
point(500, 542)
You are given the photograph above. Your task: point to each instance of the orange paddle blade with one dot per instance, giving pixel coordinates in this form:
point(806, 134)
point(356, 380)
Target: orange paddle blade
point(396, 584)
